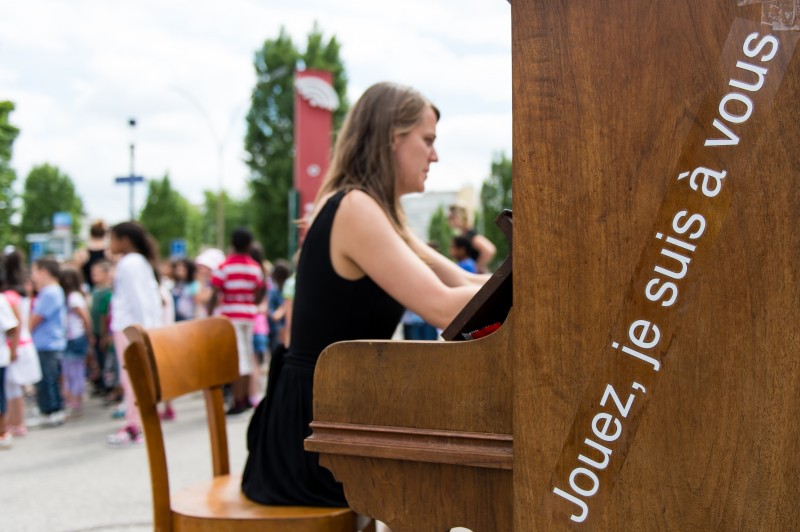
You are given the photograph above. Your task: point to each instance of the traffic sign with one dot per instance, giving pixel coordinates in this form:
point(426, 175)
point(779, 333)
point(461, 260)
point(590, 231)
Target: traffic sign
point(129, 179)
point(177, 248)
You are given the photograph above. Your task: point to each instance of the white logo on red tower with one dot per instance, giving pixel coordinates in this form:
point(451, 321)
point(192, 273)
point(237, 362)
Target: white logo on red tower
point(317, 92)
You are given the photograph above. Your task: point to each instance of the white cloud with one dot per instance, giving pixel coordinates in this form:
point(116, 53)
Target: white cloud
point(78, 70)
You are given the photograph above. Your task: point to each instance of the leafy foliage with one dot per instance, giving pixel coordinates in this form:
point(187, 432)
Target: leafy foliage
point(7, 175)
point(440, 234)
point(238, 213)
point(47, 191)
point(167, 216)
point(269, 140)
point(496, 196)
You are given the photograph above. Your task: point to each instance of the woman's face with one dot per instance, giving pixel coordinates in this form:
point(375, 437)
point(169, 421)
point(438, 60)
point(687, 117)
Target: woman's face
point(453, 221)
point(413, 154)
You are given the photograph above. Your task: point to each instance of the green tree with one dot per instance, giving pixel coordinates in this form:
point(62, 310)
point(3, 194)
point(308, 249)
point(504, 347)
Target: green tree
point(269, 141)
point(238, 213)
point(168, 216)
point(47, 191)
point(7, 175)
point(496, 196)
point(439, 231)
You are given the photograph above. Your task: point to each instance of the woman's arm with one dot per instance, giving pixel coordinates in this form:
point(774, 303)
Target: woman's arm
point(364, 242)
point(286, 332)
point(445, 269)
point(486, 251)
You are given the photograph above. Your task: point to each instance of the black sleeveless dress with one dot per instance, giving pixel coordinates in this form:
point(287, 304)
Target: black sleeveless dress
point(327, 309)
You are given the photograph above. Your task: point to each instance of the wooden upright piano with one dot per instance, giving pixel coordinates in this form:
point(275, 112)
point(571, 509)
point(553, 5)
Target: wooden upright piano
point(646, 376)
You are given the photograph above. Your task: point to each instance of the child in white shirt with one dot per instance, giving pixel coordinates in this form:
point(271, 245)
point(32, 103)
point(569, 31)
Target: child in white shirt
point(9, 338)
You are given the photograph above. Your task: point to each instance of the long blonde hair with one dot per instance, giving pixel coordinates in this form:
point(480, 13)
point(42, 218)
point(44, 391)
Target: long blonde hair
point(363, 158)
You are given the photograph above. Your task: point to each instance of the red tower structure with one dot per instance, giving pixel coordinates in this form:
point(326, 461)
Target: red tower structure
point(315, 100)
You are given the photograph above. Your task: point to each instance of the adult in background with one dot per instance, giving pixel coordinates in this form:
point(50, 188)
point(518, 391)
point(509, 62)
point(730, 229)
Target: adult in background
point(135, 299)
point(482, 251)
point(238, 286)
point(359, 267)
point(95, 250)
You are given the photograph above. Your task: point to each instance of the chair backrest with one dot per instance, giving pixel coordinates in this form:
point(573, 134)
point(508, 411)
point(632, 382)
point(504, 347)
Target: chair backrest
point(170, 362)
point(189, 356)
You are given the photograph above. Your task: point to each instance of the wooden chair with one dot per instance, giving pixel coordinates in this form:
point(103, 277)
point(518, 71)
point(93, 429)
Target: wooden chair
point(201, 355)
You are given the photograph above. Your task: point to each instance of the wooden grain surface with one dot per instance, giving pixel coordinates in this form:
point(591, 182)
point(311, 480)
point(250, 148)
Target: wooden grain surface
point(419, 433)
point(187, 357)
point(647, 376)
point(612, 103)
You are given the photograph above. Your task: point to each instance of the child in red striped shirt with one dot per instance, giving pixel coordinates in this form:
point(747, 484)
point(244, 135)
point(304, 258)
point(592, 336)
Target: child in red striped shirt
point(239, 287)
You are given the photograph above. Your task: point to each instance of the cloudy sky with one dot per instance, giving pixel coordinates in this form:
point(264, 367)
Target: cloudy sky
point(78, 70)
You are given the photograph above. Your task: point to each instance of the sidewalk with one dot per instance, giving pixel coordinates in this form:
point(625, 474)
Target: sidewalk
point(67, 479)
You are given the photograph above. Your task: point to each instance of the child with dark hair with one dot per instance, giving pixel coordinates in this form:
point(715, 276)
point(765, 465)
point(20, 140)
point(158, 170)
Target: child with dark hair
point(260, 333)
point(9, 330)
point(185, 289)
point(25, 370)
point(276, 312)
point(73, 365)
point(238, 286)
point(462, 252)
point(100, 314)
point(136, 299)
point(48, 322)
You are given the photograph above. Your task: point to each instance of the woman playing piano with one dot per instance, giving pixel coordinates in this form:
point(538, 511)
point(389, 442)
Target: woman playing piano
point(360, 266)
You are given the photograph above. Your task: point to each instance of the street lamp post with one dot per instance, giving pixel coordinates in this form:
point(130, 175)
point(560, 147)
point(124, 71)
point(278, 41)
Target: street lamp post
point(132, 178)
point(220, 142)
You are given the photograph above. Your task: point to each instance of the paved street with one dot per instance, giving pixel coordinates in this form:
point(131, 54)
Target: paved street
point(67, 479)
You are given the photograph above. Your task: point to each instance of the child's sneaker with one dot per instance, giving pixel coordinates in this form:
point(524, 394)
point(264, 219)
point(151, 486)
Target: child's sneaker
point(125, 436)
point(17, 430)
point(54, 419)
point(5, 441)
point(167, 415)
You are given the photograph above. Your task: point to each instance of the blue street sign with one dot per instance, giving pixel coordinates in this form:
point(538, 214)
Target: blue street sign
point(38, 249)
point(62, 220)
point(129, 179)
point(177, 248)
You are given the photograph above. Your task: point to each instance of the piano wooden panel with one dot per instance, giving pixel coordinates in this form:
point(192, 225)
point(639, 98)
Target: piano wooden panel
point(614, 102)
point(429, 420)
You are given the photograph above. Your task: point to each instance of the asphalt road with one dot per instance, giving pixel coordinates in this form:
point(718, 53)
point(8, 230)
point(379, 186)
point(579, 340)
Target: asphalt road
point(68, 479)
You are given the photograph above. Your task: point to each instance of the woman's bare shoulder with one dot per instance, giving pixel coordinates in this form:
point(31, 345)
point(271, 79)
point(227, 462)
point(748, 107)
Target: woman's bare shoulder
point(357, 205)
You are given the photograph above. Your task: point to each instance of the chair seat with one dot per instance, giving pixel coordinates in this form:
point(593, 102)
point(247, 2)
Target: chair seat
point(219, 503)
